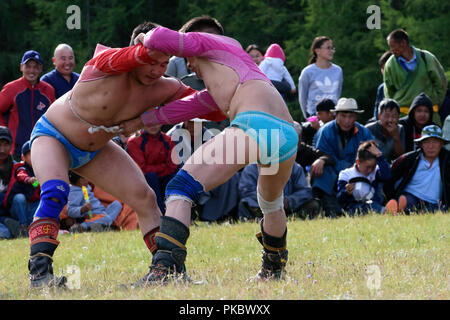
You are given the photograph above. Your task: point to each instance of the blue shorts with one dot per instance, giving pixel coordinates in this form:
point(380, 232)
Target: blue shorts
point(276, 138)
point(77, 157)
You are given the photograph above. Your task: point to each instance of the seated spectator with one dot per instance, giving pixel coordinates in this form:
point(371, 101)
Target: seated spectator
point(25, 100)
point(90, 214)
point(152, 149)
point(420, 115)
point(339, 139)
point(273, 67)
point(256, 53)
point(323, 115)
point(298, 198)
point(4, 232)
point(62, 78)
point(389, 135)
point(221, 202)
point(23, 195)
point(357, 189)
point(307, 155)
point(422, 176)
point(380, 90)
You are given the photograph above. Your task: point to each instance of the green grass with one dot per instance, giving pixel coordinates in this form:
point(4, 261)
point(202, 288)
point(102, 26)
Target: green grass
point(328, 259)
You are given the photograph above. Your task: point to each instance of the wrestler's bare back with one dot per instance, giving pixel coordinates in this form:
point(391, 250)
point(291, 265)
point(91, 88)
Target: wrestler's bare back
point(107, 101)
point(222, 83)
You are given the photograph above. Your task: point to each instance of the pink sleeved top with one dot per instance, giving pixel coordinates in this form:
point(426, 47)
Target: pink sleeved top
point(216, 48)
point(219, 49)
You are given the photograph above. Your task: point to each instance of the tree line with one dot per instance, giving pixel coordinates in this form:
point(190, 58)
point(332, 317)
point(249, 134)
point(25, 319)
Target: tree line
point(41, 25)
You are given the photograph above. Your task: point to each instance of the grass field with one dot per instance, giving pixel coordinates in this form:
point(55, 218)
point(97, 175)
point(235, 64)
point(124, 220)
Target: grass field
point(370, 257)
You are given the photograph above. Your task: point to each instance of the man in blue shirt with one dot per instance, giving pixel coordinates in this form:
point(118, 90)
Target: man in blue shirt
point(62, 78)
point(423, 176)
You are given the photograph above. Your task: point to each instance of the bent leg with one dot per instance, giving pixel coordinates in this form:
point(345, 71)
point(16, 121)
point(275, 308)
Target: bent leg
point(114, 171)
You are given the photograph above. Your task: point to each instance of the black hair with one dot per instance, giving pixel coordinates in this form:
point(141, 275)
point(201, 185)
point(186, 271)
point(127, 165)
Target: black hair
point(398, 35)
point(254, 47)
point(198, 24)
point(144, 27)
point(384, 58)
point(363, 150)
point(73, 177)
point(388, 104)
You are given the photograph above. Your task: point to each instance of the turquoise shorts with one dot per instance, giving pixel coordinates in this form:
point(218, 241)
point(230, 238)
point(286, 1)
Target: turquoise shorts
point(276, 138)
point(77, 157)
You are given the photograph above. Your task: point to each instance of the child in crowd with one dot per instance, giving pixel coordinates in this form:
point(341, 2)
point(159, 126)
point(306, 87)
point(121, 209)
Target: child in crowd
point(23, 195)
point(358, 186)
point(273, 67)
point(78, 208)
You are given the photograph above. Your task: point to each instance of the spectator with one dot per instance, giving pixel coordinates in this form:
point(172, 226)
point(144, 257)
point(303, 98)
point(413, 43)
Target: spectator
point(339, 139)
point(24, 101)
point(152, 149)
point(62, 78)
point(446, 131)
point(389, 135)
point(380, 90)
point(419, 116)
point(273, 67)
point(422, 176)
point(357, 189)
point(411, 71)
point(23, 195)
point(121, 140)
point(256, 53)
point(92, 214)
point(324, 115)
point(298, 198)
point(320, 79)
point(219, 203)
point(307, 154)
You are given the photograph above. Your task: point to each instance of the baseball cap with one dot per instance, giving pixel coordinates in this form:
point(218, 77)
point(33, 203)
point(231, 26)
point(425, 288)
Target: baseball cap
point(5, 134)
point(432, 131)
point(26, 147)
point(31, 55)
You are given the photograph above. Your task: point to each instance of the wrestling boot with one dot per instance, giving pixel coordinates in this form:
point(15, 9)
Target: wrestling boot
point(43, 243)
point(274, 257)
point(168, 260)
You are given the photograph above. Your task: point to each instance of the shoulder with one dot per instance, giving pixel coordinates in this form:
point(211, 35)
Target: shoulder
point(336, 67)
point(14, 85)
point(49, 75)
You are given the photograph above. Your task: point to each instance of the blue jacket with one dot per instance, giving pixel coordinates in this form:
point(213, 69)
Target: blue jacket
point(329, 142)
point(297, 192)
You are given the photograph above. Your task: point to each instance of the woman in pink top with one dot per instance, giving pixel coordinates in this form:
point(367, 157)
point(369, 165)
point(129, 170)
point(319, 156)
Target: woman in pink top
point(264, 130)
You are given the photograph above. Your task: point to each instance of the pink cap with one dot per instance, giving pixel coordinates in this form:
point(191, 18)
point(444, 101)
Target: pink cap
point(275, 51)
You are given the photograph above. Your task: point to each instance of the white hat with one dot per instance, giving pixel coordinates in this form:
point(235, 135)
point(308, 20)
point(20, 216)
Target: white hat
point(198, 120)
point(347, 105)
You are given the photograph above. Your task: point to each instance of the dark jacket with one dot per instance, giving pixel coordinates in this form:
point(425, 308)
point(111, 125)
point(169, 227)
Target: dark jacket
point(406, 165)
point(21, 173)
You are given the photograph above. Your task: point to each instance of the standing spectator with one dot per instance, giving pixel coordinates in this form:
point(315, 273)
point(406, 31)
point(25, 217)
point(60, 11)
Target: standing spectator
point(152, 152)
point(446, 131)
point(423, 176)
point(389, 135)
point(411, 71)
point(62, 78)
point(339, 139)
point(256, 53)
point(273, 67)
point(419, 116)
point(24, 101)
point(357, 190)
point(23, 195)
point(380, 91)
point(298, 198)
point(320, 79)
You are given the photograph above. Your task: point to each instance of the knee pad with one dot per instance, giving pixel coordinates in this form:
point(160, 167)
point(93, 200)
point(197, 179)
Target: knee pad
point(54, 195)
point(270, 206)
point(184, 186)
